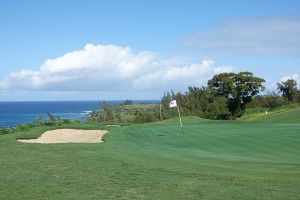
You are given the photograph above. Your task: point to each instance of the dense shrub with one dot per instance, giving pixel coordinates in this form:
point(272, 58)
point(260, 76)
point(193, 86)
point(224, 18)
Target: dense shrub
point(143, 116)
point(196, 101)
point(4, 131)
point(272, 102)
point(267, 102)
point(132, 113)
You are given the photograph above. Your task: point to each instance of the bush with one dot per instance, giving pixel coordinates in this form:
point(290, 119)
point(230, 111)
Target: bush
point(66, 121)
point(23, 127)
point(142, 116)
point(4, 131)
point(224, 116)
point(52, 121)
point(267, 102)
point(272, 102)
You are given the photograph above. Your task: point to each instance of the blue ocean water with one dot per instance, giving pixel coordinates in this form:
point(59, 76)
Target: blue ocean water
point(13, 113)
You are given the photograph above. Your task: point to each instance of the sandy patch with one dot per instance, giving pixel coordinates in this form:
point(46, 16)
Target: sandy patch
point(69, 136)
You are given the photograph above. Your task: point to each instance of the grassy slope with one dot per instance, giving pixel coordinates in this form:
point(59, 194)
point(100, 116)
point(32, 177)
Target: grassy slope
point(215, 160)
point(292, 114)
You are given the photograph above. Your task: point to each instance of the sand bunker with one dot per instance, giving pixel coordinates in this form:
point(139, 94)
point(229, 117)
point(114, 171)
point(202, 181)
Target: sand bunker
point(69, 136)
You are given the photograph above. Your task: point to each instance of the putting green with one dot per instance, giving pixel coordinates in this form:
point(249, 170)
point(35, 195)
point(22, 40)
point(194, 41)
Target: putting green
point(214, 160)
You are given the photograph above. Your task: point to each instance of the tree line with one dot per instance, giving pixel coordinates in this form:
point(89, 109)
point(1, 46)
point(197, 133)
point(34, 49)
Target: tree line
point(228, 95)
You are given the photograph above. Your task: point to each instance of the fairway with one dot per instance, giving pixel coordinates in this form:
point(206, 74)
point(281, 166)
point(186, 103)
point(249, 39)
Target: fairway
point(215, 160)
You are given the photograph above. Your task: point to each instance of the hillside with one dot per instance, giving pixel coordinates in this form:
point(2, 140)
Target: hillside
point(291, 115)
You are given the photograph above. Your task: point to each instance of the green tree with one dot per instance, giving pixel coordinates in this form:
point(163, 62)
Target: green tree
point(298, 96)
point(288, 89)
point(165, 101)
point(196, 102)
point(108, 111)
point(238, 88)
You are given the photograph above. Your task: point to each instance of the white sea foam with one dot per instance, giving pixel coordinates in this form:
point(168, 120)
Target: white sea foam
point(86, 112)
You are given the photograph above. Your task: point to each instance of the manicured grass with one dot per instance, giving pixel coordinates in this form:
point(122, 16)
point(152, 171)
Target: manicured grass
point(214, 160)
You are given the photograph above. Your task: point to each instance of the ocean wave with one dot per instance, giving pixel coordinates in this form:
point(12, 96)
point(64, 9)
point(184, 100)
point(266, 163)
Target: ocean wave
point(86, 112)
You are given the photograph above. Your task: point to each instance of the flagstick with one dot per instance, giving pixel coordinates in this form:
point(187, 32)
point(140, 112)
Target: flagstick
point(160, 112)
point(180, 122)
point(173, 104)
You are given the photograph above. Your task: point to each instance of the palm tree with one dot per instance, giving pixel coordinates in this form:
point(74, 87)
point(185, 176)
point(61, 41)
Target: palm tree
point(288, 89)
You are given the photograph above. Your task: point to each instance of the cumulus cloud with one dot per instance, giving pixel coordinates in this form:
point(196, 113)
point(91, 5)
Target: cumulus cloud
point(110, 68)
point(267, 37)
point(95, 67)
point(180, 77)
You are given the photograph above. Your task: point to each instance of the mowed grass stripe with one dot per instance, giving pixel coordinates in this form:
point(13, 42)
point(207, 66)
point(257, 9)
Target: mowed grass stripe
point(248, 139)
point(248, 142)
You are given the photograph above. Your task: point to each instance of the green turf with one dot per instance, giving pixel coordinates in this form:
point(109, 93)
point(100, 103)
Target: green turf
point(214, 160)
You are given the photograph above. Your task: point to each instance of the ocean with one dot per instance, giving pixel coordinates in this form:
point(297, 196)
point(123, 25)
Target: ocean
point(13, 113)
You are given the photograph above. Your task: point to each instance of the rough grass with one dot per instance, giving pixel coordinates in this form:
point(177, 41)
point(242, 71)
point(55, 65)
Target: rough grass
point(215, 160)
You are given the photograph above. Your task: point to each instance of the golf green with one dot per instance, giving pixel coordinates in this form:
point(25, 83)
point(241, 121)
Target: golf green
point(214, 160)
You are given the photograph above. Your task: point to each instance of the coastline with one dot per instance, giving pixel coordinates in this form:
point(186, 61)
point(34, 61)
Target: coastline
point(13, 113)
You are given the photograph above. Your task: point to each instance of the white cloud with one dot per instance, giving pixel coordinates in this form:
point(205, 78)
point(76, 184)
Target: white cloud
point(180, 77)
point(265, 37)
point(219, 70)
point(110, 68)
point(100, 58)
point(95, 67)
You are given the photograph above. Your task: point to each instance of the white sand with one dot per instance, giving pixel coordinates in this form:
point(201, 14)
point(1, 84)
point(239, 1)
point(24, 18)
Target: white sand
point(69, 136)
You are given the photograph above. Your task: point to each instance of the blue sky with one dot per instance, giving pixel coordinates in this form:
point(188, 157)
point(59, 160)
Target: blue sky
point(80, 50)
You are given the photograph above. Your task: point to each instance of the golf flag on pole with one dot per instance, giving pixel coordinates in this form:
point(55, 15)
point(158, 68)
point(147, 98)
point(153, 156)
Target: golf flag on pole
point(173, 104)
